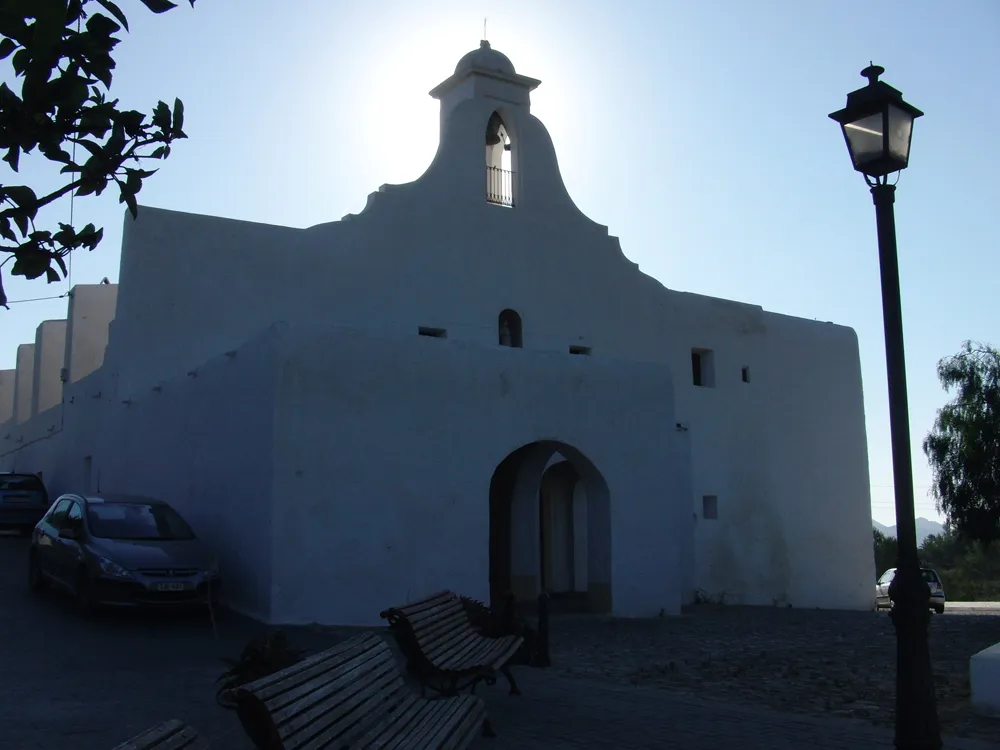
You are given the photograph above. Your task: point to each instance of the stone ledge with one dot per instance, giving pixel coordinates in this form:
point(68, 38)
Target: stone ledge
point(984, 678)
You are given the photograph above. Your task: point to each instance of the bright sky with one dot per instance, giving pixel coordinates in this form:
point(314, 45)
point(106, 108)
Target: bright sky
point(697, 131)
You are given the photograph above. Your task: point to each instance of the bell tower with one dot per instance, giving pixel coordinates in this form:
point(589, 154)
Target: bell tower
point(488, 78)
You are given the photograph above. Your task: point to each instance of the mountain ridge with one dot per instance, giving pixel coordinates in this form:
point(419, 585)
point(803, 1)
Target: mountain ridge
point(925, 528)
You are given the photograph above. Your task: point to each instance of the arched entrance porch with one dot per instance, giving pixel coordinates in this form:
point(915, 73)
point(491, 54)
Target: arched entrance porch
point(550, 527)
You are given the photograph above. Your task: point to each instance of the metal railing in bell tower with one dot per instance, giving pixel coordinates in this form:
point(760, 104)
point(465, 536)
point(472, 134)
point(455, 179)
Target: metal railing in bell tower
point(500, 186)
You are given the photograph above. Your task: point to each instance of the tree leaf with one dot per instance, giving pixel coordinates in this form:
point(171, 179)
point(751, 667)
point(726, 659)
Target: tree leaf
point(178, 121)
point(5, 230)
point(13, 156)
point(22, 222)
point(128, 198)
point(50, 20)
point(51, 274)
point(23, 196)
point(7, 47)
point(162, 116)
point(159, 6)
point(30, 263)
point(115, 11)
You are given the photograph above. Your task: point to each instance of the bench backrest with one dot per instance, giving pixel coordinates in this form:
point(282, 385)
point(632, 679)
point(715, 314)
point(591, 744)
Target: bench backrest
point(170, 735)
point(439, 625)
point(324, 700)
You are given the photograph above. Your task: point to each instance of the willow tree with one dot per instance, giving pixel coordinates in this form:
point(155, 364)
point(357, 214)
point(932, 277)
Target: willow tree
point(963, 447)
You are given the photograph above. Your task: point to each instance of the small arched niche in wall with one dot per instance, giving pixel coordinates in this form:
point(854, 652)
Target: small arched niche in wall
point(499, 174)
point(509, 329)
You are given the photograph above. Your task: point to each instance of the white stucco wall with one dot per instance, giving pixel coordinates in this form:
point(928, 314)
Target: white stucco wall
point(91, 310)
point(784, 454)
point(55, 441)
point(819, 462)
point(383, 480)
point(50, 353)
point(7, 379)
point(24, 382)
point(203, 442)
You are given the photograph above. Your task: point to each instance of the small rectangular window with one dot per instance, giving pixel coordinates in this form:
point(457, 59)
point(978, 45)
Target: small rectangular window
point(746, 374)
point(710, 507)
point(703, 368)
point(436, 333)
point(584, 350)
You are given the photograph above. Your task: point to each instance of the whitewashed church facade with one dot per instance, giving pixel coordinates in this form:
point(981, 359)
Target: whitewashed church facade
point(465, 386)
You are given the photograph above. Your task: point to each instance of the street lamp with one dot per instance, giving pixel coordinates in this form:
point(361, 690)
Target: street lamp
point(878, 127)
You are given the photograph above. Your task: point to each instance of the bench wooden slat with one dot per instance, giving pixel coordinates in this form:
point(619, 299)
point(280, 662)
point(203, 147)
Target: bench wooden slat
point(512, 646)
point(350, 694)
point(170, 735)
point(477, 650)
point(399, 725)
point(365, 667)
point(444, 725)
point(444, 647)
point(268, 687)
point(430, 632)
point(414, 608)
point(448, 643)
point(422, 729)
point(432, 619)
point(338, 702)
point(453, 724)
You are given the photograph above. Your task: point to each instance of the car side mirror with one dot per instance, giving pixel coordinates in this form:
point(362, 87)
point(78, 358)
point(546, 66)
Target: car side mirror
point(68, 533)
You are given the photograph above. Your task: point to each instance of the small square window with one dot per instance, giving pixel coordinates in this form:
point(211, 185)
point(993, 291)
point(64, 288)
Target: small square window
point(436, 333)
point(703, 368)
point(584, 350)
point(746, 374)
point(710, 507)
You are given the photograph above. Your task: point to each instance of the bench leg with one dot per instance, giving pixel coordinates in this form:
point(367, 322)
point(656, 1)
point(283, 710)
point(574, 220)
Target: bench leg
point(514, 689)
point(488, 730)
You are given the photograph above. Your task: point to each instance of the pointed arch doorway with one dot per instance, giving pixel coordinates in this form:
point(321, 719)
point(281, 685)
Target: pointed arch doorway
point(550, 528)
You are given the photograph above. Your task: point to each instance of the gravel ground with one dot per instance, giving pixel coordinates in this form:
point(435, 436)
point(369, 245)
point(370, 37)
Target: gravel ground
point(822, 663)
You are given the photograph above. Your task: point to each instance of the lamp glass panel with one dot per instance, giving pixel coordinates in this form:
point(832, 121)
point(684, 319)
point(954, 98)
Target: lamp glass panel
point(900, 131)
point(865, 139)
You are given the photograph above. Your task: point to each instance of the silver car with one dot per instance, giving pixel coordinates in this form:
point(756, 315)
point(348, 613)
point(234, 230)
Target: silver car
point(933, 583)
point(122, 550)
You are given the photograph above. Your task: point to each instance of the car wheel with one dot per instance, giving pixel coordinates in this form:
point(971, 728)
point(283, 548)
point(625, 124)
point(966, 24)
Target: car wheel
point(84, 591)
point(36, 580)
point(939, 609)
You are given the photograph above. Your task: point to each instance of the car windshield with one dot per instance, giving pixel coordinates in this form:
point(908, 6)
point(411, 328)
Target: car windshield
point(23, 482)
point(930, 576)
point(137, 521)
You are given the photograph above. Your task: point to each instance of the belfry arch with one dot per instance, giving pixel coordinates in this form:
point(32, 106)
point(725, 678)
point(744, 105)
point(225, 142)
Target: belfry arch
point(550, 528)
point(499, 172)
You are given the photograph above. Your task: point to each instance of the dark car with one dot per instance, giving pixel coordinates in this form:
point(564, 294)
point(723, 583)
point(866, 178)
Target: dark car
point(122, 550)
point(23, 501)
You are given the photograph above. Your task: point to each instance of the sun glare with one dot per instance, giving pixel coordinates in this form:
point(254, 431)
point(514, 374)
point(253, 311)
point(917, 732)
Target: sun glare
point(398, 122)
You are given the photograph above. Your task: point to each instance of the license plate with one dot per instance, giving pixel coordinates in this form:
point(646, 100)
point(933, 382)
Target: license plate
point(171, 587)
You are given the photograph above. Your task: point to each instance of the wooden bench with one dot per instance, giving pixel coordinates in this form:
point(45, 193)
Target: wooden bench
point(349, 697)
point(170, 735)
point(443, 649)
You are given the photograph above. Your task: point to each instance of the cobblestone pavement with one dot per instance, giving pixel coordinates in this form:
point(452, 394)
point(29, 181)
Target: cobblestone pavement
point(816, 662)
point(74, 683)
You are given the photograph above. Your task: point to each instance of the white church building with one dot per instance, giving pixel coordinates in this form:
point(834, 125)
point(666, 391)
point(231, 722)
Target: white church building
point(467, 386)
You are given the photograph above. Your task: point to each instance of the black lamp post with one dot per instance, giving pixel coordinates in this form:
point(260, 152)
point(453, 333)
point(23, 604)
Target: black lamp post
point(878, 126)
